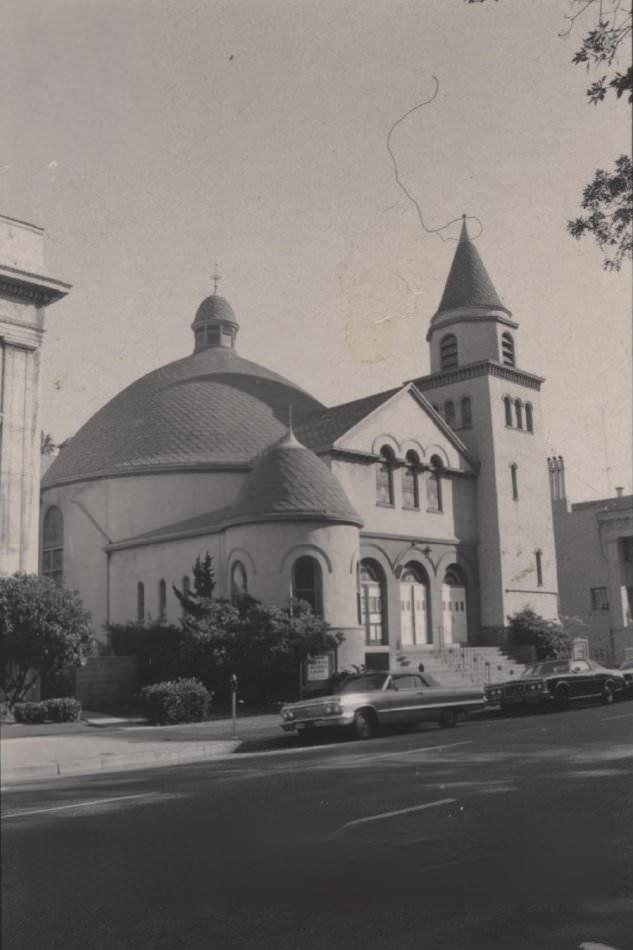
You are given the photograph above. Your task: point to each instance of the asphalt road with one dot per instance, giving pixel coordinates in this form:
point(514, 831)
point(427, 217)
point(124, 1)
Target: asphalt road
point(502, 834)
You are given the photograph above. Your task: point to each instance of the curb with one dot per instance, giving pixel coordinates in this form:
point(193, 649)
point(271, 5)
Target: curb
point(118, 762)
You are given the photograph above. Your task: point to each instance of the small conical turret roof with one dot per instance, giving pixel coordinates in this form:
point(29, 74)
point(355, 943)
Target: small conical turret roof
point(468, 286)
point(290, 482)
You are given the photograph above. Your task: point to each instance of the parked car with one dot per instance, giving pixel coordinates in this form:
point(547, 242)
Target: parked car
point(557, 683)
point(370, 700)
point(626, 669)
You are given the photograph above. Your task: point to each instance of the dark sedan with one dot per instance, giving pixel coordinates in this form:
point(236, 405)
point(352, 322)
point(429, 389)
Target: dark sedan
point(558, 683)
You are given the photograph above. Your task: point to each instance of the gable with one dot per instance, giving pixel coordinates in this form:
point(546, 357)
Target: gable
point(407, 422)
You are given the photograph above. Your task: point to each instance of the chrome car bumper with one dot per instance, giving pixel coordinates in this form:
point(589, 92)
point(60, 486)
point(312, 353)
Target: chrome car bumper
point(321, 722)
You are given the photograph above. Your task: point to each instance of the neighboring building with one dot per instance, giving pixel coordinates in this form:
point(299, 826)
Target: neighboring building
point(24, 293)
point(594, 544)
point(412, 519)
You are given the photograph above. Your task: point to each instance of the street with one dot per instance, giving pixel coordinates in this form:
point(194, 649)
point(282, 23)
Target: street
point(501, 834)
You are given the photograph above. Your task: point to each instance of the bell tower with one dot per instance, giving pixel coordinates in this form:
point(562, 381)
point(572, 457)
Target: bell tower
point(495, 409)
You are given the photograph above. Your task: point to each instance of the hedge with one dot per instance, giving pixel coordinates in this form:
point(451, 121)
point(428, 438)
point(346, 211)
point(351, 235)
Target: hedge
point(62, 709)
point(181, 700)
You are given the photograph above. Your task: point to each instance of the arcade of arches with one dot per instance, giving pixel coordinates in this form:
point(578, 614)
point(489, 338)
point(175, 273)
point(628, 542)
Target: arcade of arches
point(417, 624)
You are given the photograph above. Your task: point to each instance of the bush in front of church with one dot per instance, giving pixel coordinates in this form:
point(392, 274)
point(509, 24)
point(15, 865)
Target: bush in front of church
point(181, 700)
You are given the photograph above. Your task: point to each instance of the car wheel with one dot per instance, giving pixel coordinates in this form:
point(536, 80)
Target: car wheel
point(561, 697)
point(608, 694)
point(448, 719)
point(364, 724)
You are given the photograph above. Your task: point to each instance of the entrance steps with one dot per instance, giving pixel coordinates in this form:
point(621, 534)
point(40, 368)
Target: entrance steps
point(465, 665)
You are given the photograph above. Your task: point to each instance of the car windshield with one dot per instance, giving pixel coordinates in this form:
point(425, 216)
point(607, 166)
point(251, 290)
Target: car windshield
point(362, 684)
point(545, 669)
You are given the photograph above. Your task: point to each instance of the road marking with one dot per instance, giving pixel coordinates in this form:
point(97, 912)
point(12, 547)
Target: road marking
point(97, 801)
point(394, 814)
point(391, 755)
point(623, 716)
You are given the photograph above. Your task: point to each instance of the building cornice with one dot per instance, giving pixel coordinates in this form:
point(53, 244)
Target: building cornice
point(484, 368)
point(164, 468)
point(33, 288)
point(444, 319)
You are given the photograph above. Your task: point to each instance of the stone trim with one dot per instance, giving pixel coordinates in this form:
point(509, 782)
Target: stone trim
point(485, 368)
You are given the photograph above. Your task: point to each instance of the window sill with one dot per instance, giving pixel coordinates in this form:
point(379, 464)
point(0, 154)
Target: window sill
point(410, 507)
point(434, 511)
point(385, 504)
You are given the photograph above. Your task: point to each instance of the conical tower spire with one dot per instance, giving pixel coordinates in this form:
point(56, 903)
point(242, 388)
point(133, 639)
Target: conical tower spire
point(468, 286)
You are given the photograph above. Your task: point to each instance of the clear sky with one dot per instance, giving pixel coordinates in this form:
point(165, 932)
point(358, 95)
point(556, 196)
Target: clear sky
point(151, 138)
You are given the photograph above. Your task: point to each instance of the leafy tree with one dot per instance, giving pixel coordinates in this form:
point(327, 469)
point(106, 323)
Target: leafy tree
point(608, 197)
point(549, 637)
point(195, 603)
point(43, 629)
point(47, 446)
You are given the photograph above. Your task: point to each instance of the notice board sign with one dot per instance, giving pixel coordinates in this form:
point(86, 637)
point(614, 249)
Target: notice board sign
point(319, 668)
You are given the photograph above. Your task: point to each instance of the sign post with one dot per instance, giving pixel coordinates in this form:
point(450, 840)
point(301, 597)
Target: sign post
point(234, 704)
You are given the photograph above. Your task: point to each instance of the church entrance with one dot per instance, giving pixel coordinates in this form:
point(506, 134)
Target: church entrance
point(454, 612)
point(414, 606)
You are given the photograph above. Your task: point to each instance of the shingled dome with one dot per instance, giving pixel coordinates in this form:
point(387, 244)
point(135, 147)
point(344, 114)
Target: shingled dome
point(215, 308)
point(468, 285)
point(212, 408)
point(290, 482)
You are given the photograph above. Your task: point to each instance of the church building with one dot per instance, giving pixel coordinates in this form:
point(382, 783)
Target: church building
point(414, 519)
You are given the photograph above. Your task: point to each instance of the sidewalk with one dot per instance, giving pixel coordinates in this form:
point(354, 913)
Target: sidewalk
point(111, 744)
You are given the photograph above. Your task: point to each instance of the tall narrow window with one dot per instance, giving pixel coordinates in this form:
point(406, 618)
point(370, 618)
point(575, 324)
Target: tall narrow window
point(239, 581)
point(448, 351)
point(507, 405)
point(467, 413)
point(162, 599)
point(53, 546)
point(307, 583)
point(518, 411)
point(529, 417)
point(410, 492)
point(507, 349)
point(372, 603)
point(449, 413)
point(140, 602)
point(514, 478)
point(384, 476)
point(538, 555)
point(434, 485)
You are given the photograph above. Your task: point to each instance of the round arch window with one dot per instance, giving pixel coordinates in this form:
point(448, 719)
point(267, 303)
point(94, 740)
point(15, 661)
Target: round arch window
point(53, 545)
point(307, 583)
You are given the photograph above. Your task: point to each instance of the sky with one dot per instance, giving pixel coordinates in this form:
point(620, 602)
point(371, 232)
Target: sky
point(152, 138)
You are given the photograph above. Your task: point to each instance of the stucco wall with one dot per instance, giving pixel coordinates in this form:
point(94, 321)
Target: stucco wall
point(477, 340)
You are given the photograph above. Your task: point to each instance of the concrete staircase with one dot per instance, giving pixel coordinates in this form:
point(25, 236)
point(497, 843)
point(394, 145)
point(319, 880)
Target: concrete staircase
point(465, 666)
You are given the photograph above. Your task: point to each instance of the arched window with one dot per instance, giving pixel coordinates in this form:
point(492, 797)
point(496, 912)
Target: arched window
point(186, 584)
point(449, 413)
point(538, 556)
point(467, 413)
point(448, 351)
point(529, 418)
point(434, 485)
point(518, 411)
point(507, 405)
point(162, 599)
point(507, 349)
point(514, 479)
point(140, 602)
point(384, 476)
point(410, 491)
point(239, 581)
point(372, 602)
point(53, 545)
point(307, 583)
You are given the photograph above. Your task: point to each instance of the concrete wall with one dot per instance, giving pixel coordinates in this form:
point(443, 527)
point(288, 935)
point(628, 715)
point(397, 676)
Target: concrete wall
point(106, 682)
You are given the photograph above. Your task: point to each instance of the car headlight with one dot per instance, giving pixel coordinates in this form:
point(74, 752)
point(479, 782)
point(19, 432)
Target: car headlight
point(287, 714)
point(332, 709)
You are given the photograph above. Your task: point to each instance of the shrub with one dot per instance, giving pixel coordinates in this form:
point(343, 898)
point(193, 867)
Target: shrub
point(182, 700)
point(30, 712)
point(63, 709)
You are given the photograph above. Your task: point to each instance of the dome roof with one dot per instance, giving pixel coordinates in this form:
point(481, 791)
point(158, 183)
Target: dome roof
point(290, 482)
point(215, 308)
point(211, 408)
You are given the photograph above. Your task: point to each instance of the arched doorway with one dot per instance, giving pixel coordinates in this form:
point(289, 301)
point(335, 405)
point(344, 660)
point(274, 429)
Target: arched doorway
point(454, 607)
point(414, 607)
point(372, 602)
